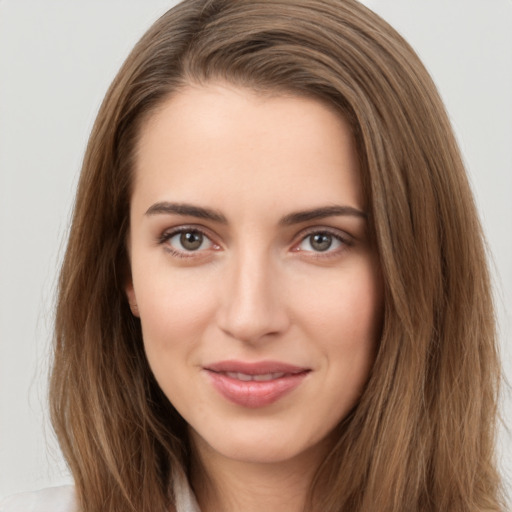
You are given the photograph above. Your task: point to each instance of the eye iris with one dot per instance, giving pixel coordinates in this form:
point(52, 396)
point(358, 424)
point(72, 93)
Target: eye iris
point(321, 242)
point(191, 240)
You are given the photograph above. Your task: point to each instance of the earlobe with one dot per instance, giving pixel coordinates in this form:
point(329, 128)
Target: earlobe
point(132, 300)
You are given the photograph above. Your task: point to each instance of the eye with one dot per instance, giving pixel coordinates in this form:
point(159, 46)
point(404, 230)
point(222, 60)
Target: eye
point(322, 242)
point(184, 241)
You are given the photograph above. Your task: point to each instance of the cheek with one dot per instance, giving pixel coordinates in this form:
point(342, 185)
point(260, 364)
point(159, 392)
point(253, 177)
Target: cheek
point(174, 315)
point(344, 317)
point(345, 309)
point(174, 309)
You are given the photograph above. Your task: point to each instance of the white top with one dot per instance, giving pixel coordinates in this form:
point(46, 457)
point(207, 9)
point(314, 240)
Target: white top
point(62, 499)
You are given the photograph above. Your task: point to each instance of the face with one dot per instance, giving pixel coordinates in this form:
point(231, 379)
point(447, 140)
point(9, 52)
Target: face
point(252, 273)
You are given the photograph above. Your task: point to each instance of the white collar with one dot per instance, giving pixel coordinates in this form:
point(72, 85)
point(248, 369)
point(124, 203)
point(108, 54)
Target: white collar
point(185, 499)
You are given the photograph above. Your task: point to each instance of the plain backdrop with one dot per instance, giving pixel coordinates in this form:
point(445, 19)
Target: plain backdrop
point(57, 59)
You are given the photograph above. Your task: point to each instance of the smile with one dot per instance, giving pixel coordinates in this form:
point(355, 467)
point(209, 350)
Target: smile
point(254, 385)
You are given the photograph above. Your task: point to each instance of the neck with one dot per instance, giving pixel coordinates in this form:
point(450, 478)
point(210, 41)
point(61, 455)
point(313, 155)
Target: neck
point(233, 485)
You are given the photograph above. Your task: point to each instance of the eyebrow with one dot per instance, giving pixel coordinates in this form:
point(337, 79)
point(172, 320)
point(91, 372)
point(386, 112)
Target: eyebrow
point(188, 210)
point(200, 212)
point(321, 213)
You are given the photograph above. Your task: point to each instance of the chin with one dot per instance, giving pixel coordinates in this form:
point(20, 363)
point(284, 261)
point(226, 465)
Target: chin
point(262, 445)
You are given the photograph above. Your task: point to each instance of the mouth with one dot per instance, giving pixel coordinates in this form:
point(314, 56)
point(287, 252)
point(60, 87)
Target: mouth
point(263, 377)
point(255, 385)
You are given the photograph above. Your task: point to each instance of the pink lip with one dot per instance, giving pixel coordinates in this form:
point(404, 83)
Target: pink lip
point(255, 393)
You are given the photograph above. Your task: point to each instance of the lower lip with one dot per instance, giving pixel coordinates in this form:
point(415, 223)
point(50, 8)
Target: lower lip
point(254, 394)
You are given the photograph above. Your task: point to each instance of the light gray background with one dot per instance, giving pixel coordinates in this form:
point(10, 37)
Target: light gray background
point(57, 59)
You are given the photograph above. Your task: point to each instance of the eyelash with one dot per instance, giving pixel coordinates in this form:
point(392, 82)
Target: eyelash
point(345, 240)
point(168, 235)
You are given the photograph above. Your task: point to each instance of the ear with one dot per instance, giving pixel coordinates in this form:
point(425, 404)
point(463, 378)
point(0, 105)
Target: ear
point(132, 300)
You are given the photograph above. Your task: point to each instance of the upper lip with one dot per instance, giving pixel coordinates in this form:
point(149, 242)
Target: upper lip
point(254, 368)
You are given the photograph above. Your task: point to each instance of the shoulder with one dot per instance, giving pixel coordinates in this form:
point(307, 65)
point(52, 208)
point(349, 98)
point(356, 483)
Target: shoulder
point(54, 499)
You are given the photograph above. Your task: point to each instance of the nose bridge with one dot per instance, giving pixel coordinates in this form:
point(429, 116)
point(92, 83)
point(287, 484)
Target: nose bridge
point(252, 303)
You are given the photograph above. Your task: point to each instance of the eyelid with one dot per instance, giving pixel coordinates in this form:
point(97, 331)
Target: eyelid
point(169, 233)
point(346, 239)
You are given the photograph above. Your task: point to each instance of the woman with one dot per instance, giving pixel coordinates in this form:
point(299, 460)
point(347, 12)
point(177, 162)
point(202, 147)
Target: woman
point(265, 298)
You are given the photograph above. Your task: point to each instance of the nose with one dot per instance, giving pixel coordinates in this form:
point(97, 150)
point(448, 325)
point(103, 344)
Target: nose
point(253, 305)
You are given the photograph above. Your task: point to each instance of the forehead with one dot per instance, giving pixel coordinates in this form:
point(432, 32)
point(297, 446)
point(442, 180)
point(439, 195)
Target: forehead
point(210, 142)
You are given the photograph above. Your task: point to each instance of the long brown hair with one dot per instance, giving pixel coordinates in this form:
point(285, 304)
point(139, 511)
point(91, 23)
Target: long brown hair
point(422, 436)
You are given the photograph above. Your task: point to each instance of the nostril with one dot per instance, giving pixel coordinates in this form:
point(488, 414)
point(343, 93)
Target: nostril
point(249, 324)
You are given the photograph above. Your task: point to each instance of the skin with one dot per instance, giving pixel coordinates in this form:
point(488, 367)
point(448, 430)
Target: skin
point(257, 287)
